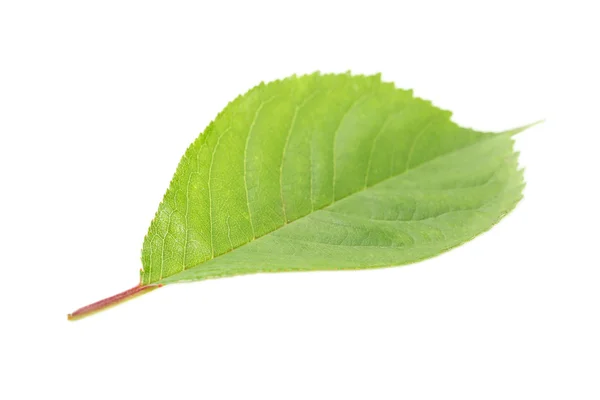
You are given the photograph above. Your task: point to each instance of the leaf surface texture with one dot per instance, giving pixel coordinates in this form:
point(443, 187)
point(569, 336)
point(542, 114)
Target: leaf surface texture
point(325, 172)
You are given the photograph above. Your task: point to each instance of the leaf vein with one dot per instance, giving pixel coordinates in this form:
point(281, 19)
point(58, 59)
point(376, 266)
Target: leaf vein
point(285, 145)
point(256, 113)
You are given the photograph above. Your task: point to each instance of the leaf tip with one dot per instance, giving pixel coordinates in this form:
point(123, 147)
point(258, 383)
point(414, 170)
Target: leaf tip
point(520, 129)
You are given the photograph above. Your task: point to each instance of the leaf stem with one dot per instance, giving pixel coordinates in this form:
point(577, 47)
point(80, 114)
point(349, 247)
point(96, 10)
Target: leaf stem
point(111, 301)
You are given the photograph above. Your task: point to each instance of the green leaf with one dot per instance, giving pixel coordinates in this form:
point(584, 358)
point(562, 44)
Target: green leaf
point(327, 172)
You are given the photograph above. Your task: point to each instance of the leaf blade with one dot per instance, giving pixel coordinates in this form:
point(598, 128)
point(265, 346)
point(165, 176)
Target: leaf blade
point(337, 117)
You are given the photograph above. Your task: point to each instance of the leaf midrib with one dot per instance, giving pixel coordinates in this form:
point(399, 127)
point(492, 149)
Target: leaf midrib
point(405, 171)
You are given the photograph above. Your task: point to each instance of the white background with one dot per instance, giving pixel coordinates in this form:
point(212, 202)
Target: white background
point(99, 100)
